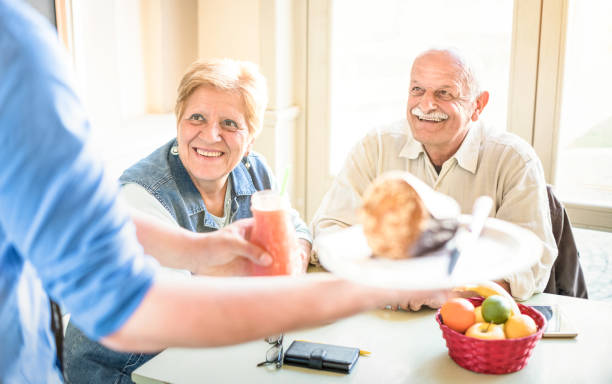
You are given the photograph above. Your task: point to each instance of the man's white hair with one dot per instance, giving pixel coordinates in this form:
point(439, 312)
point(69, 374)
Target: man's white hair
point(469, 75)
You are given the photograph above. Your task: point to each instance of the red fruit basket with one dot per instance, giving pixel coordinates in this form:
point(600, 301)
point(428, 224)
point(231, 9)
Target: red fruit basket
point(492, 356)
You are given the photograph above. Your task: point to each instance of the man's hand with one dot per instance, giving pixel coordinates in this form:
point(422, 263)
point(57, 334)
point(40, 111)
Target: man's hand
point(431, 299)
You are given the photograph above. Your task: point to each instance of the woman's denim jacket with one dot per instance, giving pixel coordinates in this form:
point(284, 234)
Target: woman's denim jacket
point(163, 175)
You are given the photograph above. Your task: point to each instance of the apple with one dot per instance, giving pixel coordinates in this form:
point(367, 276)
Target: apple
point(486, 331)
point(520, 326)
point(496, 309)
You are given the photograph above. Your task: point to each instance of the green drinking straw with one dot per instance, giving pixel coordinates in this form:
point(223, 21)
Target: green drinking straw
point(285, 180)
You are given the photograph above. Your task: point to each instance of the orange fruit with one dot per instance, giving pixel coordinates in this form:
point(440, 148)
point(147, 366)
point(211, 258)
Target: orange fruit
point(458, 314)
point(520, 326)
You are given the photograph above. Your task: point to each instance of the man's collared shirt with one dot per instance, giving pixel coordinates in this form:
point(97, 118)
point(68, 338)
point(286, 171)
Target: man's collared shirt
point(496, 164)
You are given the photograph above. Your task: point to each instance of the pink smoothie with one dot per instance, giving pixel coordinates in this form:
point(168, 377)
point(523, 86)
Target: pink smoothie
point(274, 232)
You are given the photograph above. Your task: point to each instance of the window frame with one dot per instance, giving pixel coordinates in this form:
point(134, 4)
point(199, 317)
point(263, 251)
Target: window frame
point(548, 110)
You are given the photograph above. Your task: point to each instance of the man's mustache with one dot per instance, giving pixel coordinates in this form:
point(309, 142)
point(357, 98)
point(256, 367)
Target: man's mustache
point(433, 116)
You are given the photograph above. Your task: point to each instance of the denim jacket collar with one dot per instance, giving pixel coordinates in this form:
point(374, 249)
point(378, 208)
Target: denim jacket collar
point(187, 189)
point(164, 176)
point(242, 186)
point(242, 183)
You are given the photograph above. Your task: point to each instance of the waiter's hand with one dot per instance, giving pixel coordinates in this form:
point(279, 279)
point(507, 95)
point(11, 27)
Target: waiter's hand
point(227, 252)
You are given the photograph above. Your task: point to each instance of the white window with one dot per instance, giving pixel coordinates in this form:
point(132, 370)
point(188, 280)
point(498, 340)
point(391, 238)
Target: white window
point(360, 56)
point(584, 154)
point(573, 120)
point(125, 79)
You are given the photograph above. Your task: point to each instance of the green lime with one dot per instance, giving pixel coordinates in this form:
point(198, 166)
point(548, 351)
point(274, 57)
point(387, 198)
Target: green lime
point(496, 309)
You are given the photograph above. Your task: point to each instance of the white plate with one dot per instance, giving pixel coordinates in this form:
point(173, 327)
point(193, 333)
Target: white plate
point(503, 248)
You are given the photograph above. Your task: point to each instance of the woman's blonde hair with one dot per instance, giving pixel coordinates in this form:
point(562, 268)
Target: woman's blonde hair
point(231, 76)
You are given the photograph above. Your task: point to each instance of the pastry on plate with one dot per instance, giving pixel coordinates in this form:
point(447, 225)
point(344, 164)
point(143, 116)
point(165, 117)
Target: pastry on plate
point(402, 217)
point(393, 216)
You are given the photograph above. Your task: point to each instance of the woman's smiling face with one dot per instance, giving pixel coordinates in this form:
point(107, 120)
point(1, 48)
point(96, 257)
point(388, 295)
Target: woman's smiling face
point(212, 135)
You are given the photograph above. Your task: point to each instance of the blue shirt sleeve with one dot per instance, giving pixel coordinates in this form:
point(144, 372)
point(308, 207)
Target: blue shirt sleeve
point(58, 207)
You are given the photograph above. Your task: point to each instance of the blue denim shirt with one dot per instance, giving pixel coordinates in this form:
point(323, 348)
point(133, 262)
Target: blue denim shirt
point(163, 175)
point(62, 233)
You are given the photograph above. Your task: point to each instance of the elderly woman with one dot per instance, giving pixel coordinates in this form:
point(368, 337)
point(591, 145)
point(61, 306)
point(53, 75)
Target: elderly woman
point(202, 180)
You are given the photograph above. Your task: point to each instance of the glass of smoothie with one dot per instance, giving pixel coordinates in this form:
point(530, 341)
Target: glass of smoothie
point(274, 232)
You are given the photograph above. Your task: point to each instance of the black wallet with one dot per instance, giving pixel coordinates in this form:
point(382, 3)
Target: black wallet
point(321, 356)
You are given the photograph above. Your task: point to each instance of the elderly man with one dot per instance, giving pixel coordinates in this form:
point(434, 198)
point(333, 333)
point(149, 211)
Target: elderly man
point(443, 143)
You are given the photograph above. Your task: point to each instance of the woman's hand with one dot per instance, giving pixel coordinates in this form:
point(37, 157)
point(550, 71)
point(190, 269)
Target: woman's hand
point(301, 256)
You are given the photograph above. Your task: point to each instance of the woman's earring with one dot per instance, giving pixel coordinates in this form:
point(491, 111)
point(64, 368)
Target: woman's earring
point(245, 160)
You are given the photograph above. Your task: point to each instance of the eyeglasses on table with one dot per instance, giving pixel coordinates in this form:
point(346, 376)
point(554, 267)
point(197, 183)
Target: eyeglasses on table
point(274, 354)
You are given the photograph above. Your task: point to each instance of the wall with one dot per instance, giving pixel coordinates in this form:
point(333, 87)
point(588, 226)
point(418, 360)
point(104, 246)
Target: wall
point(264, 32)
point(170, 44)
point(229, 28)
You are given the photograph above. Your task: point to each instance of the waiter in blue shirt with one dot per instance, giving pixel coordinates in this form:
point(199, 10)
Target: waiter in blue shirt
point(63, 236)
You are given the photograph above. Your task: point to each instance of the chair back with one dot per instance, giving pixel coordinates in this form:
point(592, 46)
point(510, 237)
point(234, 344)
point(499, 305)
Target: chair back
point(566, 276)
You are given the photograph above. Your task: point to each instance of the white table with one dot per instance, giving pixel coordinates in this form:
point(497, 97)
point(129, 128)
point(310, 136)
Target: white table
point(406, 348)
